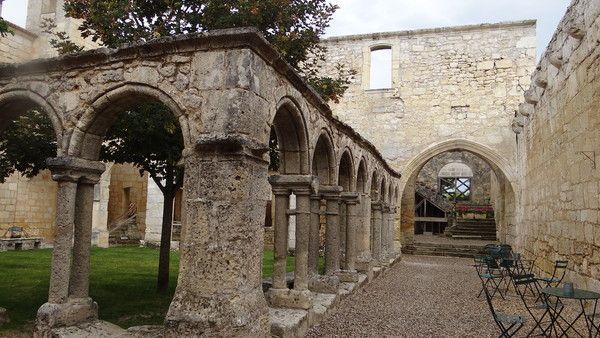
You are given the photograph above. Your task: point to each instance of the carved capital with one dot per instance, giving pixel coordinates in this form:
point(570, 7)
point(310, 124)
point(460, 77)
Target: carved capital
point(73, 169)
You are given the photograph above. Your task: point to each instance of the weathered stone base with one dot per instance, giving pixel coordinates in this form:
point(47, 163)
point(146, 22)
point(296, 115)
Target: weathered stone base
point(96, 329)
point(296, 322)
point(365, 267)
point(348, 276)
point(74, 312)
point(324, 284)
point(286, 298)
point(4, 318)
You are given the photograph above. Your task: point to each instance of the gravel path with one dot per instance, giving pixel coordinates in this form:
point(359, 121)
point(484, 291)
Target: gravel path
point(420, 296)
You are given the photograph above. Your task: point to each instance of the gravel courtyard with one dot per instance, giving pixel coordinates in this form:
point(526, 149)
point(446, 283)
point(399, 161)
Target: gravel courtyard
point(419, 296)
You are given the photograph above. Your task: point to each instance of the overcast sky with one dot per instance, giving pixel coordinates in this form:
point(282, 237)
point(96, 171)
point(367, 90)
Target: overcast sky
point(368, 16)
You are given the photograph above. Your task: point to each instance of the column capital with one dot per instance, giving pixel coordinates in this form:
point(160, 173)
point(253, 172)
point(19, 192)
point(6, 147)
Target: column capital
point(298, 184)
point(330, 192)
point(73, 169)
point(350, 197)
point(376, 205)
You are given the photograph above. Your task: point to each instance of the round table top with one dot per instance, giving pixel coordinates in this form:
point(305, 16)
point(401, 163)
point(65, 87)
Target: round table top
point(577, 293)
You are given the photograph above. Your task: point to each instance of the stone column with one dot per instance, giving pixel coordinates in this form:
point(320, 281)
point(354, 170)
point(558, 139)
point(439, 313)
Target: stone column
point(385, 224)
point(314, 239)
point(330, 282)
point(280, 245)
point(219, 290)
point(363, 236)
point(377, 233)
point(68, 302)
point(349, 273)
point(280, 295)
point(332, 253)
point(392, 236)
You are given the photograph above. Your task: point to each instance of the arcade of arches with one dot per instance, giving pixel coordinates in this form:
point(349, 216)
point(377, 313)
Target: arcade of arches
point(442, 130)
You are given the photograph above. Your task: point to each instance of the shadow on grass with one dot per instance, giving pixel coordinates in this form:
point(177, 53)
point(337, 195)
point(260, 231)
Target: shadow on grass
point(122, 282)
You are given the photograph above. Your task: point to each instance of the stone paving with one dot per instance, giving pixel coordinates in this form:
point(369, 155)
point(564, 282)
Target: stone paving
point(419, 296)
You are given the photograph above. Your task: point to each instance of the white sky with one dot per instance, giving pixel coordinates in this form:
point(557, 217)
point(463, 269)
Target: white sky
point(368, 16)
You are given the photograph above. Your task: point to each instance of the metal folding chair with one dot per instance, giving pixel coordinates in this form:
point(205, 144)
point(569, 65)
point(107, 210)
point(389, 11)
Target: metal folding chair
point(528, 290)
point(489, 274)
point(560, 268)
point(509, 325)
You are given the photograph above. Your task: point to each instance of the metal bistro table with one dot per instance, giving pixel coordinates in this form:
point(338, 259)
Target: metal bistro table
point(582, 296)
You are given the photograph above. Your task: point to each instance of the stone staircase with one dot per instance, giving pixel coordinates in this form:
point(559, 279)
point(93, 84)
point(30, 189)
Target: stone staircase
point(443, 249)
point(483, 229)
point(432, 196)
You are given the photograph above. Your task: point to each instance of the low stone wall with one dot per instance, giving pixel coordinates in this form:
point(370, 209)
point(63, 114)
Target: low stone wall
point(559, 137)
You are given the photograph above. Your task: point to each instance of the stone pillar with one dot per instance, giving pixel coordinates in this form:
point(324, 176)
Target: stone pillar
point(392, 237)
point(385, 233)
point(280, 245)
point(219, 289)
point(363, 235)
point(68, 302)
point(330, 282)
point(314, 239)
point(332, 253)
point(351, 201)
point(377, 232)
point(280, 295)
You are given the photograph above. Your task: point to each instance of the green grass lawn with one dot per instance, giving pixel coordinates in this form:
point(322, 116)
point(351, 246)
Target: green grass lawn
point(122, 281)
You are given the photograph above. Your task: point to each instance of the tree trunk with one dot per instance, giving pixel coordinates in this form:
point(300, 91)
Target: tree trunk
point(165, 237)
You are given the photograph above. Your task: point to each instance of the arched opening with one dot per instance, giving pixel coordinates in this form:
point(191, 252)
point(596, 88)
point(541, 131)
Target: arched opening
point(346, 181)
point(361, 177)
point(323, 164)
point(439, 177)
point(30, 132)
point(138, 131)
point(288, 171)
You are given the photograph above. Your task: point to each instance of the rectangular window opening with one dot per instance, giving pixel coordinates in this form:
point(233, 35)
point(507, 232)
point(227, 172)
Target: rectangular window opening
point(381, 68)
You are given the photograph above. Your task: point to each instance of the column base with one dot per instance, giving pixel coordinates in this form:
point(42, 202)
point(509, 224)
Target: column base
point(221, 314)
point(75, 311)
point(348, 276)
point(289, 298)
point(324, 284)
point(365, 267)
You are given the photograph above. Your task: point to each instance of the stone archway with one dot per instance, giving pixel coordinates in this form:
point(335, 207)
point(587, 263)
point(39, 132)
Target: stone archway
point(504, 195)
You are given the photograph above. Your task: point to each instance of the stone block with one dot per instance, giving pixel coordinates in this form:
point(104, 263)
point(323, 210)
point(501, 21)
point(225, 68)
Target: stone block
point(289, 298)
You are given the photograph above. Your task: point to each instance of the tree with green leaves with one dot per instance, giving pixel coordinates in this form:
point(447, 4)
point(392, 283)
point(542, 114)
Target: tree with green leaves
point(25, 143)
point(149, 137)
point(293, 27)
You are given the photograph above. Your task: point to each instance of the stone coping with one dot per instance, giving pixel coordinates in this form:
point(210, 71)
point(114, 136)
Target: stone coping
point(423, 31)
point(233, 38)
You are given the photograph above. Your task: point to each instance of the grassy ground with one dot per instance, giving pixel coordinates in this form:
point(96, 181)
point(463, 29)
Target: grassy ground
point(122, 281)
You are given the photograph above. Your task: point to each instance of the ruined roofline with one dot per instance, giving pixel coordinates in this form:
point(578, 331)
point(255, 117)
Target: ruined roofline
point(21, 29)
point(233, 38)
point(423, 31)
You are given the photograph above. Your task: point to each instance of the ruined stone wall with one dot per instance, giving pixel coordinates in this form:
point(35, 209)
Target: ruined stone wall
point(17, 47)
point(480, 182)
point(30, 203)
point(126, 187)
point(459, 82)
point(559, 137)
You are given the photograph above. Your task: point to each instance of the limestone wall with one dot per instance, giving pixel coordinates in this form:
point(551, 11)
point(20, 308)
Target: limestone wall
point(18, 47)
point(30, 203)
point(128, 187)
point(559, 137)
point(458, 82)
point(480, 182)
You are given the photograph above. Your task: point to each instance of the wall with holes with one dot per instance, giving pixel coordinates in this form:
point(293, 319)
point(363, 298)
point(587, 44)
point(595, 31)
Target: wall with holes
point(559, 136)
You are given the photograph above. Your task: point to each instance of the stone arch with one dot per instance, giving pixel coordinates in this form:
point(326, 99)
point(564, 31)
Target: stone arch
point(290, 129)
point(383, 190)
point(104, 109)
point(504, 172)
point(375, 192)
point(323, 163)
point(346, 171)
point(16, 101)
point(361, 176)
point(395, 196)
